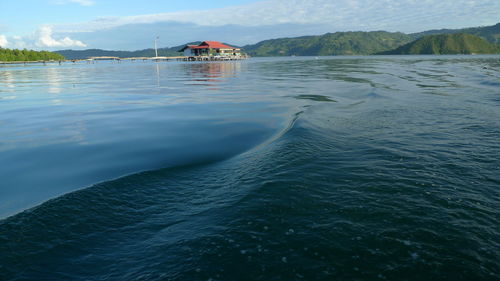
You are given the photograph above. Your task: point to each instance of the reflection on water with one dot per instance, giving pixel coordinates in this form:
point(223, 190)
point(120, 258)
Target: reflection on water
point(75, 125)
point(212, 73)
point(6, 81)
point(158, 75)
point(275, 168)
point(52, 75)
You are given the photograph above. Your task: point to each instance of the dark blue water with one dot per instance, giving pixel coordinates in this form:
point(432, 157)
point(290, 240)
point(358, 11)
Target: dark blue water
point(346, 168)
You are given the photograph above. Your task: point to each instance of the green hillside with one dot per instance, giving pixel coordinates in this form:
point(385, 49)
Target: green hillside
point(28, 55)
point(339, 43)
point(446, 44)
point(342, 43)
point(368, 43)
point(490, 33)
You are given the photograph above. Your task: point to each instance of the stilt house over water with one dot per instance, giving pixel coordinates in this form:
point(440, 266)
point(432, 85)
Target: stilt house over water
point(210, 48)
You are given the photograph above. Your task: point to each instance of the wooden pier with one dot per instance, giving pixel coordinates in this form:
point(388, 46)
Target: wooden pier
point(133, 59)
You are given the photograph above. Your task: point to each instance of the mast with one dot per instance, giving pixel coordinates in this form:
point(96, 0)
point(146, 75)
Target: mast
point(156, 49)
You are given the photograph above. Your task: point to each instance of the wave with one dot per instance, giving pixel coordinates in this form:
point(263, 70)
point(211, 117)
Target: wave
point(166, 206)
point(312, 202)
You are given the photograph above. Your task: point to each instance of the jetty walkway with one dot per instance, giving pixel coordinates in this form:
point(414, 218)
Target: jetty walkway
point(145, 59)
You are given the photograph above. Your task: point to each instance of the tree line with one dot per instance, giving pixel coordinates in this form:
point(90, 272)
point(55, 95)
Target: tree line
point(28, 55)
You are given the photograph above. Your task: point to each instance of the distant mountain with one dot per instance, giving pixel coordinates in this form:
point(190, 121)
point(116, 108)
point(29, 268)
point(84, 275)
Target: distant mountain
point(83, 54)
point(356, 43)
point(339, 43)
point(490, 33)
point(446, 44)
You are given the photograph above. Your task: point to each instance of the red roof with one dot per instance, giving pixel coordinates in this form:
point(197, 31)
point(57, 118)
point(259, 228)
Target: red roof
point(207, 45)
point(216, 45)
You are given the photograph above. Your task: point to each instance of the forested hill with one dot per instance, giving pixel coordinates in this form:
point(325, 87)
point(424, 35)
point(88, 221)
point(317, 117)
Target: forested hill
point(27, 55)
point(162, 52)
point(356, 43)
point(447, 44)
point(339, 43)
point(490, 33)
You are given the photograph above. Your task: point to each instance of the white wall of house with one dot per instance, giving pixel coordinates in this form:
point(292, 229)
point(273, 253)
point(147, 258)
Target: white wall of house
point(229, 52)
point(188, 52)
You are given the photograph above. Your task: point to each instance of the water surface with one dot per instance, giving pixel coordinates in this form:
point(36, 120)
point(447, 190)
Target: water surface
point(348, 168)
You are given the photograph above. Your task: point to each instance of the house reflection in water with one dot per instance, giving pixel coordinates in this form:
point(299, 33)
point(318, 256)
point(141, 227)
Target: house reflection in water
point(210, 74)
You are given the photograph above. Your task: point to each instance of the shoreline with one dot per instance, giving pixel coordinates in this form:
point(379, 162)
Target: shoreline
point(156, 59)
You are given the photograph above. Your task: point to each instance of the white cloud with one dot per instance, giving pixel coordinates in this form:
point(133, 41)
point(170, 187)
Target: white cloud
point(404, 15)
point(18, 42)
point(3, 41)
point(81, 2)
point(261, 20)
point(44, 39)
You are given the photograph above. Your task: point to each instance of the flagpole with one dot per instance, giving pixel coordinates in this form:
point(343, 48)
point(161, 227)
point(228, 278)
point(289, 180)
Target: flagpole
point(156, 49)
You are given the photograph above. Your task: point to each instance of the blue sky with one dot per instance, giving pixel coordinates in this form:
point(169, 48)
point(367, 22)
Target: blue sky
point(131, 24)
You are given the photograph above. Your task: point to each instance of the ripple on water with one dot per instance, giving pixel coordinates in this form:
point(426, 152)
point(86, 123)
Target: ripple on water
point(403, 187)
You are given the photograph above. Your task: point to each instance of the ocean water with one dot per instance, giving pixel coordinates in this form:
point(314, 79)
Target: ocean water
point(334, 168)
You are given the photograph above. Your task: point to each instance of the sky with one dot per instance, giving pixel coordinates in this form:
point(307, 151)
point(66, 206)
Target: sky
point(132, 25)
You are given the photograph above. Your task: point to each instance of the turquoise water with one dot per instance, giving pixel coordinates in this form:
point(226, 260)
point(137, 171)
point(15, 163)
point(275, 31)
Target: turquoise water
point(337, 168)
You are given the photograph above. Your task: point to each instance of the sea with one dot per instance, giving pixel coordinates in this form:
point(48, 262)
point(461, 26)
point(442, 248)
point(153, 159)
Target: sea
point(285, 168)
